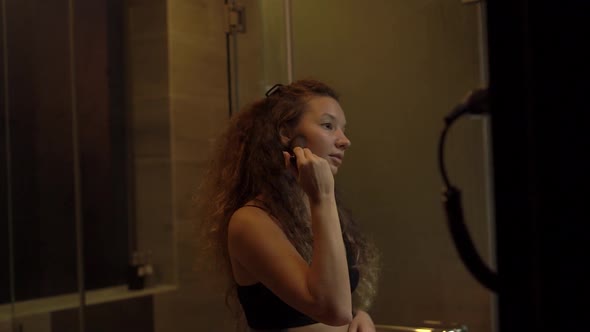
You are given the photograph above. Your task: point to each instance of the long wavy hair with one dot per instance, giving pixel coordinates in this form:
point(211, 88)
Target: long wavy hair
point(248, 163)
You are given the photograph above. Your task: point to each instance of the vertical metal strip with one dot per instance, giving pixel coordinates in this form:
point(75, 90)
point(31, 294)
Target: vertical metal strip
point(288, 39)
point(76, 172)
point(228, 60)
point(9, 212)
point(231, 46)
point(228, 68)
point(488, 155)
point(234, 71)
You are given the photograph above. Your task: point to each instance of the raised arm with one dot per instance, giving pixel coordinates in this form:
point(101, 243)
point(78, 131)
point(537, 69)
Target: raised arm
point(321, 289)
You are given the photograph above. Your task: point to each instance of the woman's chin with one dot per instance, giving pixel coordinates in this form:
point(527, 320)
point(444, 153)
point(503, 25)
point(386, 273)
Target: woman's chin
point(334, 169)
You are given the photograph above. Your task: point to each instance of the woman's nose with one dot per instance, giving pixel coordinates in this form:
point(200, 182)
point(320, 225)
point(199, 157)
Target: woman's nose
point(343, 142)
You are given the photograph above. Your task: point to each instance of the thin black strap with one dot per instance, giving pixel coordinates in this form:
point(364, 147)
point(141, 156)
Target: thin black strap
point(257, 206)
point(259, 200)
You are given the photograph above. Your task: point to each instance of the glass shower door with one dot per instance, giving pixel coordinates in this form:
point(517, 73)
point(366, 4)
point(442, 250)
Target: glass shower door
point(64, 223)
point(258, 48)
point(41, 222)
point(6, 275)
point(6, 279)
point(400, 66)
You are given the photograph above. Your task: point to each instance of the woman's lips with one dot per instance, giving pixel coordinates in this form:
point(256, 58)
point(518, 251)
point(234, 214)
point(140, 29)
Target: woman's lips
point(336, 158)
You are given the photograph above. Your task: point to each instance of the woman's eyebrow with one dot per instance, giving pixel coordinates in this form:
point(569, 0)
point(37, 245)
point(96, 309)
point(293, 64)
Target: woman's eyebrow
point(332, 118)
point(328, 115)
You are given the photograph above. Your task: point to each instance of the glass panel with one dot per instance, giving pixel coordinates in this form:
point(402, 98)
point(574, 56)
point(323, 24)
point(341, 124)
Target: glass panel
point(85, 186)
point(65, 168)
point(39, 161)
point(6, 307)
point(144, 43)
point(102, 144)
point(400, 66)
point(41, 183)
point(258, 55)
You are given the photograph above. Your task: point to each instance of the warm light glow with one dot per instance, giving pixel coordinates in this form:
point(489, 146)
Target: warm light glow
point(423, 330)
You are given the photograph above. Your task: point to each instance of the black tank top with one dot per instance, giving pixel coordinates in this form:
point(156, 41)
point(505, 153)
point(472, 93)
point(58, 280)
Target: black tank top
point(264, 310)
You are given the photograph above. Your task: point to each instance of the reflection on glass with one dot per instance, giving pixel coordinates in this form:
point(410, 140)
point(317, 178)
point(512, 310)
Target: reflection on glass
point(258, 55)
point(5, 213)
point(42, 143)
point(64, 157)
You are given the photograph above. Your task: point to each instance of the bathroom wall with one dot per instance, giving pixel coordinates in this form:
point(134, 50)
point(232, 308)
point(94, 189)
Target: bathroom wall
point(66, 160)
point(147, 81)
point(198, 102)
point(133, 315)
point(400, 67)
point(62, 111)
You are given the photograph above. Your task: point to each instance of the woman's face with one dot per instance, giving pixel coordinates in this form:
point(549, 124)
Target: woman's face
point(323, 124)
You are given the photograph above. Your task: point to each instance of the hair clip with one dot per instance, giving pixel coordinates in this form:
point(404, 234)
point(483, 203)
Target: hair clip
point(272, 90)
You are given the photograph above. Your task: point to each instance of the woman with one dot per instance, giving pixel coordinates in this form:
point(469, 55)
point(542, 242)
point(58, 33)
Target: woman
point(293, 255)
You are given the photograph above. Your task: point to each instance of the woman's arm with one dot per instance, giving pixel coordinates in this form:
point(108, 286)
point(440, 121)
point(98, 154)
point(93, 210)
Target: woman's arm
point(361, 322)
point(321, 289)
point(328, 278)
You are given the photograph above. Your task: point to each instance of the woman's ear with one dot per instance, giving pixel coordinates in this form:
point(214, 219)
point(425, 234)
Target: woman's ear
point(285, 136)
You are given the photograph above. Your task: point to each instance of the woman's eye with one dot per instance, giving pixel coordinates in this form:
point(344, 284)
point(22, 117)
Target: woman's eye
point(327, 125)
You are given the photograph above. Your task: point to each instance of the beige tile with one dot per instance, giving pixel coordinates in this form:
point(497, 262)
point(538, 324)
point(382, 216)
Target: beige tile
point(143, 2)
point(148, 67)
point(199, 18)
point(150, 128)
point(37, 323)
point(6, 326)
point(198, 108)
point(192, 309)
point(146, 19)
point(154, 215)
point(196, 122)
point(197, 47)
point(196, 70)
point(153, 189)
point(187, 179)
point(188, 254)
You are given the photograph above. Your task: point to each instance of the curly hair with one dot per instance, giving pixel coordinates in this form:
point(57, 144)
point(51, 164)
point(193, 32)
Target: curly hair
point(248, 163)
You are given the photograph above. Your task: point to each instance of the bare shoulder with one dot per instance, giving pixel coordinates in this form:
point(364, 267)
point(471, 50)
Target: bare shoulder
point(250, 221)
point(261, 252)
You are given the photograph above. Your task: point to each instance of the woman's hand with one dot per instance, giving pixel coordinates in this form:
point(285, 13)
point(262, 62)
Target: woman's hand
point(361, 322)
point(314, 174)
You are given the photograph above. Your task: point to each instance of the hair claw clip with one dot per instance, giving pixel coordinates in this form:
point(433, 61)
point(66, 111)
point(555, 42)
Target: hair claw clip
point(273, 89)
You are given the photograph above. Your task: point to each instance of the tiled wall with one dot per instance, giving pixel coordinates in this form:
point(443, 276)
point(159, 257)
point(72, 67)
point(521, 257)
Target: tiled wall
point(198, 109)
point(179, 100)
point(185, 49)
point(149, 105)
point(400, 67)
